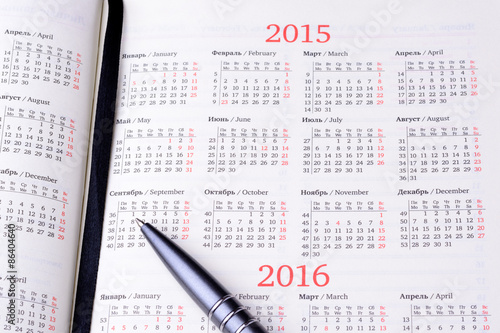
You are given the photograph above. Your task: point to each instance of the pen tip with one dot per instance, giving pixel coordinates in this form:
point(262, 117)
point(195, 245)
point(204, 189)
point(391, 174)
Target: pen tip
point(140, 223)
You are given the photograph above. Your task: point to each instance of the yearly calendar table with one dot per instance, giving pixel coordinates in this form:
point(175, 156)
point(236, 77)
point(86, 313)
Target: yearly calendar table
point(335, 188)
point(334, 164)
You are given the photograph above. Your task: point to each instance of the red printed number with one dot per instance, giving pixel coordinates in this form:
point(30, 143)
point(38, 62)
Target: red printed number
point(285, 276)
point(291, 33)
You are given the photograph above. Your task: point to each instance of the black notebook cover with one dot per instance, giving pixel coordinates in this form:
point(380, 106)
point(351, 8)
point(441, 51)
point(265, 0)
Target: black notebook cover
point(101, 150)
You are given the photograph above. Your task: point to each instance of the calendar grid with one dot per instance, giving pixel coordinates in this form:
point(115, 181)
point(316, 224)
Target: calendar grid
point(425, 316)
point(32, 62)
point(426, 151)
point(332, 89)
point(170, 216)
point(154, 320)
point(436, 223)
point(160, 317)
point(346, 231)
point(40, 134)
point(155, 150)
point(241, 147)
point(347, 318)
point(258, 87)
point(243, 222)
point(160, 84)
point(436, 81)
point(346, 151)
point(334, 164)
point(41, 209)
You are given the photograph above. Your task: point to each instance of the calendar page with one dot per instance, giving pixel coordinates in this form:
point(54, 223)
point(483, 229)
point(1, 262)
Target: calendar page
point(333, 163)
point(48, 52)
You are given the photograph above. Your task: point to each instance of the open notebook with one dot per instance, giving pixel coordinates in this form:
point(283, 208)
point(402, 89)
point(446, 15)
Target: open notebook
point(334, 164)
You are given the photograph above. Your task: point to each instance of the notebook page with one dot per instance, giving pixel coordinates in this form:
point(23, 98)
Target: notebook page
point(332, 163)
point(48, 62)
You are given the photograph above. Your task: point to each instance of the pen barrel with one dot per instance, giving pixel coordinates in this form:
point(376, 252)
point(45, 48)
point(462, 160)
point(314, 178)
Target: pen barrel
point(224, 311)
point(231, 317)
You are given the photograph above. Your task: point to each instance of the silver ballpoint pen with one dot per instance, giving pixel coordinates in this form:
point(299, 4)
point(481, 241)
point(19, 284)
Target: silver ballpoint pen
point(216, 302)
